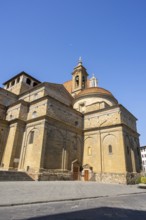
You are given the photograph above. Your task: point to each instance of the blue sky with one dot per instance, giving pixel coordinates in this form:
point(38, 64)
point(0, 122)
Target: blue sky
point(45, 38)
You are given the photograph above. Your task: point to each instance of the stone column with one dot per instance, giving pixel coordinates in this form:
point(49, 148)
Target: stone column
point(13, 145)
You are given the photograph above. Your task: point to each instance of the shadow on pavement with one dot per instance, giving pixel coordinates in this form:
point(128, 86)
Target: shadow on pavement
point(102, 213)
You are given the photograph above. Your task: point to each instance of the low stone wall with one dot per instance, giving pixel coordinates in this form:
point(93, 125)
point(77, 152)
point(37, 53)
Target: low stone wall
point(53, 175)
point(122, 178)
point(111, 178)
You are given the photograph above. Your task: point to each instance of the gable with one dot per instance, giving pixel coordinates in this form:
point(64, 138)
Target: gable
point(58, 92)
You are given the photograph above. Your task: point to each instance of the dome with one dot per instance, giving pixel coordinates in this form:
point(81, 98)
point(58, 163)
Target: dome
point(94, 95)
point(94, 90)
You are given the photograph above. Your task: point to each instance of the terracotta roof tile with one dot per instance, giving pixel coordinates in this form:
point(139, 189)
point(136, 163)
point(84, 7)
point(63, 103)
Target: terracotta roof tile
point(96, 90)
point(68, 86)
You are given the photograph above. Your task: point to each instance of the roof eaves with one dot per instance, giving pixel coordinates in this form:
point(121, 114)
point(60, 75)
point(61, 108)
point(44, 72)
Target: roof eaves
point(19, 74)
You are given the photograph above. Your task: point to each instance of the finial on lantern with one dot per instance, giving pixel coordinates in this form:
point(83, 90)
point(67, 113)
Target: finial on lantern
point(80, 60)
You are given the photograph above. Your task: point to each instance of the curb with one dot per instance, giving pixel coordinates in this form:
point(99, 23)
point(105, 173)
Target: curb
point(66, 200)
point(142, 186)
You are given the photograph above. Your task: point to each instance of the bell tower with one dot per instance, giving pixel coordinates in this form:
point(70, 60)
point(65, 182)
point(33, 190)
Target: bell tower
point(79, 78)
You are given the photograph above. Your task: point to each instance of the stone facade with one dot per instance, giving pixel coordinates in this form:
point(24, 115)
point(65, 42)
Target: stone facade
point(72, 131)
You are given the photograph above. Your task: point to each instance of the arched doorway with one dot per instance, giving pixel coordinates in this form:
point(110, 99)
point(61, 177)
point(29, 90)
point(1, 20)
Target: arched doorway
point(75, 170)
point(87, 173)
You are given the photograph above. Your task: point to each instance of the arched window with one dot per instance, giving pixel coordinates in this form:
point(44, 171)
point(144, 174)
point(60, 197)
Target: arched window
point(77, 81)
point(82, 107)
point(34, 114)
point(89, 151)
point(31, 137)
point(12, 83)
point(35, 84)
point(83, 82)
point(110, 149)
point(18, 80)
point(28, 81)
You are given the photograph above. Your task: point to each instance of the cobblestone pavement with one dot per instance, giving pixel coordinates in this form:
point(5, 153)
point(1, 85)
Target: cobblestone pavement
point(20, 193)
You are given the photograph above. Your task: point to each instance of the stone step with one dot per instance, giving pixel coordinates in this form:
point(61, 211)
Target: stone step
point(14, 176)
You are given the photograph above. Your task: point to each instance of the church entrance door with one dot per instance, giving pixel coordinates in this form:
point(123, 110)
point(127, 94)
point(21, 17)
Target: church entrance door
point(75, 173)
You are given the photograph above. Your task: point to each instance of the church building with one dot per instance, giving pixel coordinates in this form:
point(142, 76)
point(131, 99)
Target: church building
point(71, 131)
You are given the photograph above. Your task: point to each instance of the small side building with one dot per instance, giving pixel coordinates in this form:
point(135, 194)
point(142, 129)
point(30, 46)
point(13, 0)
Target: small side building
point(143, 157)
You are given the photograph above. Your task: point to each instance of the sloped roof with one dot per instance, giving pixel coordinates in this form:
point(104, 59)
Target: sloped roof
point(19, 74)
point(68, 86)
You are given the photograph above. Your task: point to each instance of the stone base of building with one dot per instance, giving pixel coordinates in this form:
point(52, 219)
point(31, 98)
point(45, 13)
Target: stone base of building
point(59, 175)
point(121, 178)
point(111, 178)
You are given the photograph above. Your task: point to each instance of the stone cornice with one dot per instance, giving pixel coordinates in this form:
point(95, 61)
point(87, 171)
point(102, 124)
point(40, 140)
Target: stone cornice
point(109, 108)
point(54, 120)
point(121, 106)
point(50, 97)
point(102, 110)
point(21, 101)
point(2, 121)
point(46, 84)
point(109, 97)
point(111, 126)
point(8, 92)
point(17, 120)
point(3, 107)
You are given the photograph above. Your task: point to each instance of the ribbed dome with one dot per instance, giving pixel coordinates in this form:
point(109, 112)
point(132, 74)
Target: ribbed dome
point(94, 90)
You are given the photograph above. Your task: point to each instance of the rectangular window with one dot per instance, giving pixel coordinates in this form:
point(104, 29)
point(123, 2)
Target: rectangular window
point(89, 151)
point(110, 149)
point(31, 137)
point(82, 107)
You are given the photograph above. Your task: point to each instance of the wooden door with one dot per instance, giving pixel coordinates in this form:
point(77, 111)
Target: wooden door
point(75, 173)
point(86, 175)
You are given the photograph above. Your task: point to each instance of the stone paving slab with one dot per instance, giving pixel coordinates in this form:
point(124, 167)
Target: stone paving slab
point(18, 193)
